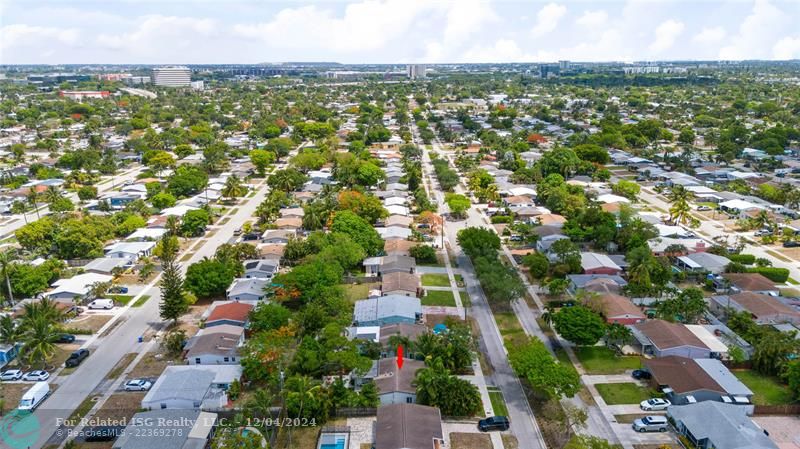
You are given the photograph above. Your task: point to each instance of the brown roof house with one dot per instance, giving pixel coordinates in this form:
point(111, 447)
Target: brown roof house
point(750, 282)
point(398, 247)
point(408, 426)
point(686, 381)
point(400, 283)
point(217, 345)
point(228, 312)
point(764, 309)
point(619, 309)
point(661, 338)
point(394, 384)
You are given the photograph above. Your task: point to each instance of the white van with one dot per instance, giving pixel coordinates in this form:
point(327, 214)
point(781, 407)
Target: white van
point(34, 396)
point(101, 304)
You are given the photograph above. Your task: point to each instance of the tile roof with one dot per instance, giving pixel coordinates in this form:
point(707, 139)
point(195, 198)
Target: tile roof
point(408, 426)
point(750, 281)
point(666, 335)
point(234, 311)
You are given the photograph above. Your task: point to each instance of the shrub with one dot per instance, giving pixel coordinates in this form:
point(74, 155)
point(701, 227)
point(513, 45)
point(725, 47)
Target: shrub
point(501, 219)
point(423, 254)
point(779, 275)
point(746, 259)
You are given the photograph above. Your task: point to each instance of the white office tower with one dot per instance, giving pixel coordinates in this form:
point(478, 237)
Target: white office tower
point(416, 71)
point(172, 76)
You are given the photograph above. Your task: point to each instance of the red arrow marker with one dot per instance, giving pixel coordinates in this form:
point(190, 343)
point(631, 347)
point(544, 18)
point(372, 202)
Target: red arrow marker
point(399, 357)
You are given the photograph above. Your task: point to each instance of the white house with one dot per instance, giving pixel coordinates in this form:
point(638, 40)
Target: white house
point(192, 387)
point(130, 250)
point(244, 289)
point(79, 285)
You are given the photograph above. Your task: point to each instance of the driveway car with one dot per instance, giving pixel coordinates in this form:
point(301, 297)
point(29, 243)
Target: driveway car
point(641, 374)
point(138, 385)
point(651, 424)
point(493, 423)
point(117, 289)
point(703, 208)
point(11, 374)
point(791, 244)
point(65, 338)
point(655, 404)
point(36, 376)
point(76, 358)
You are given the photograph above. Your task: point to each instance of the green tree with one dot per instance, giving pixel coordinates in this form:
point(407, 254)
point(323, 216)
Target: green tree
point(261, 159)
point(163, 200)
point(269, 316)
point(435, 386)
point(687, 307)
point(358, 230)
point(194, 223)
point(579, 325)
point(479, 242)
point(86, 193)
point(534, 363)
point(173, 297)
point(187, 181)
point(233, 188)
point(209, 278)
point(628, 189)
point(538, 265)
point(458, 204)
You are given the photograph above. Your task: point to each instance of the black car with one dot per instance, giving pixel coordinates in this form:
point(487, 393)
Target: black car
point(494, 423)
point(251, 236)
point(791, 244)
point(641, 374)
point(102, 433)
point(76, 358)
point(65, 338)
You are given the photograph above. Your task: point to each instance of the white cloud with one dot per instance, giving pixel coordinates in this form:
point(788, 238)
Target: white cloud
point(710, 35)
point(548, 17)
point(364, 26)
point(787, 48)
point(18, 35)
point(666, 34)
point(503, 50)
point(157, 35)
point(757, 33)
point(592, 18)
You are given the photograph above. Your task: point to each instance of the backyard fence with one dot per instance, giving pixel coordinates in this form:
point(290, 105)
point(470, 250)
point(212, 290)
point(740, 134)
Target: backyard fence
point(786, 409)
point(355, 412)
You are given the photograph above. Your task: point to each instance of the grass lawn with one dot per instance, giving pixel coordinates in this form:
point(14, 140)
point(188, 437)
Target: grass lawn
point(435, 280)
point(152, 365)
point(355, 292)
point(121, 300)
point(140, 302)
point(121, 365)
point(601, 360)
point(498, 403)
point(439, 298)
point(510, 328)
point(90, 323)
point(624, 393)
point(465, 300)
point(509, 441)
point(768, 390)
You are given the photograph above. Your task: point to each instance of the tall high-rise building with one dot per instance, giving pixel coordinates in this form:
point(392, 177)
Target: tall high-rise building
point(172, 76)
point(416, 71)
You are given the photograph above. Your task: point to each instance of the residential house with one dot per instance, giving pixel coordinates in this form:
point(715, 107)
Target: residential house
point(408, 426)
point(599, 283)
point(619, 309)
point(235, 313)
point(702, 263)
point(715, 425)
point(400, 283)
point(261, 268)
point(764, 309)
point(244, 289)
point(68, 288)
point(289, 223)
point(394, 384)
point(7, 354)
point(195, 387)
point(279, 236)
point(398, 247)
point(751, 282)
point(518, 201)
point(397, 210)
point(378, 266)
point(404, 330)
point(661, 338)
point(544, 244)
point(292, 212)
point(216, 345)
point(105, 265)
point(686, 381)
point(384, 310)
point(660, 245)
point(172, 429)
point(595, 263)
point(144, 234)
point(131, 251)
point(398, 220)
point(394, 233)
point(554, 220)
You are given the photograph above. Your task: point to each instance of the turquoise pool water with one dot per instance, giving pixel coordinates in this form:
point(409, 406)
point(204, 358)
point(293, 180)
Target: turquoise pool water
point(333, 442)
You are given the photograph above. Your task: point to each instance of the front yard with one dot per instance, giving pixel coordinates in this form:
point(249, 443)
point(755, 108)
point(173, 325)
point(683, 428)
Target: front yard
point(602, 360)
point(623, 393)
point(440, 280)
point(768, 390)
point(439, 298)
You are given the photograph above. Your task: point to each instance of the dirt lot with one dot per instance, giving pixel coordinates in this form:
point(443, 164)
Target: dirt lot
point(121, 406)
point(152, 365)
point(11, 394)
point(510, 441)
point(470, 441)
point(91, 323)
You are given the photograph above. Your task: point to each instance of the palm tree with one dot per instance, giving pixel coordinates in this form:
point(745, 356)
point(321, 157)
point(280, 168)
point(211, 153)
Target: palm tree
point(31, 198)
point(680, 210)
point(9, 331)
point(52, 194)
point(173, 225)
point(764, 221)
point(6, 258)
point(39, 339)
point(45, 308)
point(233, 188)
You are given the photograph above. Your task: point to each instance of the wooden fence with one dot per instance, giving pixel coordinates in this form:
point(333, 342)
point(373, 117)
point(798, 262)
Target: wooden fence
point(786, 409)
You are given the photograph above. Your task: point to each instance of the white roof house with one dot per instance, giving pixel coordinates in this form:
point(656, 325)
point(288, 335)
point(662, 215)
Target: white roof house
point(147, 234)
point(394, 233)
point(708, 338)
point(77, 285)
point(611, 198)
point(397, 210)
point(394, 201)
point(129, 250)
point(739, 205)
point(178, 211)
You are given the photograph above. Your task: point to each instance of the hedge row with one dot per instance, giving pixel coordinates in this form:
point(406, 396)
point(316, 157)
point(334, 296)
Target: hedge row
point(779, 275)
point(746, 259)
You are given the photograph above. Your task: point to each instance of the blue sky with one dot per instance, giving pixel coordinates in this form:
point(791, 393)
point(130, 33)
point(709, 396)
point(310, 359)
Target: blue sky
point(394, 31)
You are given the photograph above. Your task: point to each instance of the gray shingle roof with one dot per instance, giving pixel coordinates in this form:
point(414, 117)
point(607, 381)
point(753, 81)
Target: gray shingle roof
point(725, 425)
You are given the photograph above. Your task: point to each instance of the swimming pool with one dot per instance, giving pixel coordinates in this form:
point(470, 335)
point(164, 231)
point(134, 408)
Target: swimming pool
point(333, 441)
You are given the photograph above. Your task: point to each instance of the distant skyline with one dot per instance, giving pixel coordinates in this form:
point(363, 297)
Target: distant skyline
point(394, 31)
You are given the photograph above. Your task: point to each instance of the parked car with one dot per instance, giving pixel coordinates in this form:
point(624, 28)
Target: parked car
point(65, 338)
point(237, 231)
point(493, 423)
point(11, 374)
point(791, 244)
point(36, 376)
point(651, 424)
point(655, 404)
point(118, 289)
point(138, 385)
point(703, 208)
point(641, 374)
point(76, 358)
point(251, 236)
point(101, 304)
